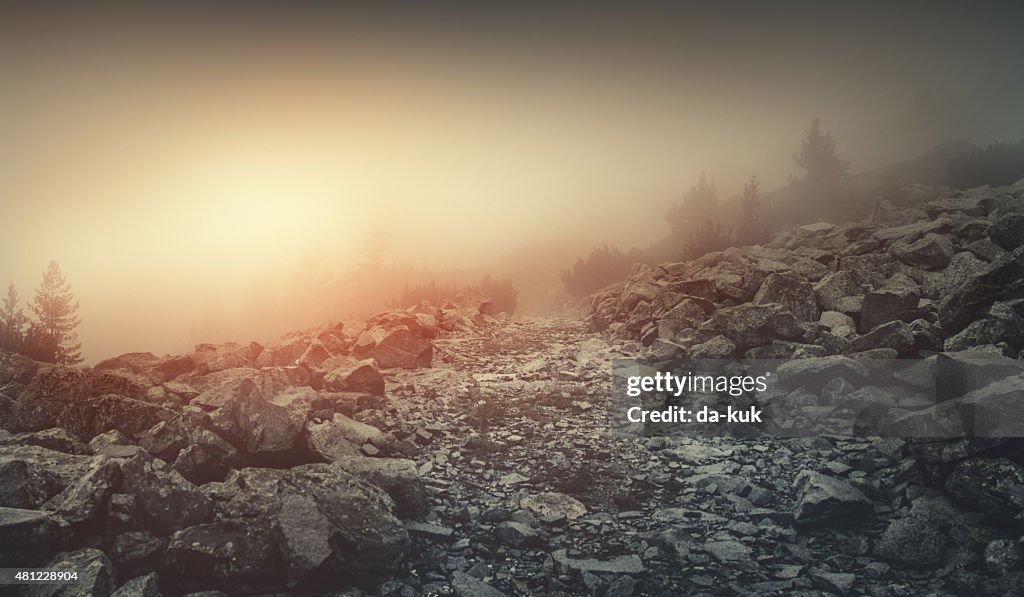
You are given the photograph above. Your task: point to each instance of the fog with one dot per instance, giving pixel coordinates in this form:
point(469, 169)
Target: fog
point(205, 177)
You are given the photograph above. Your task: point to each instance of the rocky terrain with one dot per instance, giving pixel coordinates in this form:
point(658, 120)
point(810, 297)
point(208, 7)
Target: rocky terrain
point(445, 451)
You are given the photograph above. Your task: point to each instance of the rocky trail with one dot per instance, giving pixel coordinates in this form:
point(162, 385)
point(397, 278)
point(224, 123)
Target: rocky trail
point(530, 493)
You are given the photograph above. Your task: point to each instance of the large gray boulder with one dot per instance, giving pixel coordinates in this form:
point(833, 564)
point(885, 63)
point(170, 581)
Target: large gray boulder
point(36, 534)
point(340, 436)
point(913, 540)
point(346, 374)
point(895, 335)
point(888, 304)
point(993, 485)
point(931, 252)
point(1002, 277)
point(821, 498)
point(834, 290)
point(32, 475)
point(166, 500)
point(1008, 231)
point(395, 339)
point(229, 555)
point(1001, 323)
point(325, 526)
point(750, 325)
point(397, 476)
point(85, 402)
point(94, 570)
point(794, 294)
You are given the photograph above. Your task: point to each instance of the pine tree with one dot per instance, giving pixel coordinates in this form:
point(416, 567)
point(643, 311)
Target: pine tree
point(707, 239)
point(56, 309)
point(12, 322)
point(700, 203)
point(753, 228)
point(824, 171)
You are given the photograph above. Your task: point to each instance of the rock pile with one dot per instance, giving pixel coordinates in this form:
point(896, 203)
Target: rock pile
point(942, 281)
point(945, 274)
point(240, 468)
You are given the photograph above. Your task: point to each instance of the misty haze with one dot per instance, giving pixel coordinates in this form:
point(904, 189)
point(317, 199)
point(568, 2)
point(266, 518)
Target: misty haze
point(229, 191)
point(316, 300)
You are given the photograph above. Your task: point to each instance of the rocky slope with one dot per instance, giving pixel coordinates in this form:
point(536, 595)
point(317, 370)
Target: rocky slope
point(447, 452)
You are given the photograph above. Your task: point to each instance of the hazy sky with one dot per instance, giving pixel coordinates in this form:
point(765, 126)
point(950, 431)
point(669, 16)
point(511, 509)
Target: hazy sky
point(166, 159)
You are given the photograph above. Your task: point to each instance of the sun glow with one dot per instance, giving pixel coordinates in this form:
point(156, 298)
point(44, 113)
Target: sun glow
point(259, 205)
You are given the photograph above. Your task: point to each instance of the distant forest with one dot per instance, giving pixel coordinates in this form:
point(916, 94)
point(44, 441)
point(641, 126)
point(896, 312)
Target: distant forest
point(701, 221)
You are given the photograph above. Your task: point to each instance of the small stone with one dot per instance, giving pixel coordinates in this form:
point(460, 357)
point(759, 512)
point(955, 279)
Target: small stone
point(1002, 555)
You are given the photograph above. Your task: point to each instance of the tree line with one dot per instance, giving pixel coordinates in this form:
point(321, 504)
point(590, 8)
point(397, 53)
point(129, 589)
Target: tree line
point(49, 334)
point(700, 222)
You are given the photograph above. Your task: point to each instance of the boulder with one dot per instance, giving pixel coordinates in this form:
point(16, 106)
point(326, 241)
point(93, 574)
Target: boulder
point(36, 534)
point(208, 457)
point(783, 350)
point(340, 436)
point(210, 358)
point(17, 368)
point(31, 475)
point(821, 498)
point(687, 314)
point(230, 555)
point(931, 252)
point(869, 270)
point(166, 501)
point(86, 498)
point(1002, 555)
point(994, 486)
point(329, 527)
point(968, 206)
point(95, 574)
point(832, 290)
point(288, 352)
point(269, 426)
point(163, 440)
point(84, 402)
point(57, 439)
point(141, 586)
point(396, 339)
point(751, 325)
point(464, 585)
point(136, 551)
point(839, 324)
point(794, 294)
point(92, 416)
point(1002, 277)
point(403, 348)
point(962, 267)
point(1002, 322)
point(351, 375)
point(628, 564)
point(913, 540)
point(896, 300)
point(316, 354)
point(134, 362)
point(553, 506)
point(719, 348)
point(397, 476)
point(816, 372)
point(895, 335)
point(221, 402)
point(1008, 231)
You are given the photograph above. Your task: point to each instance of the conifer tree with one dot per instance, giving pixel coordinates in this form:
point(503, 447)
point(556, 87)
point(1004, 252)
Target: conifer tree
point(12, 322)
point(56, 310)
point(824, 171)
